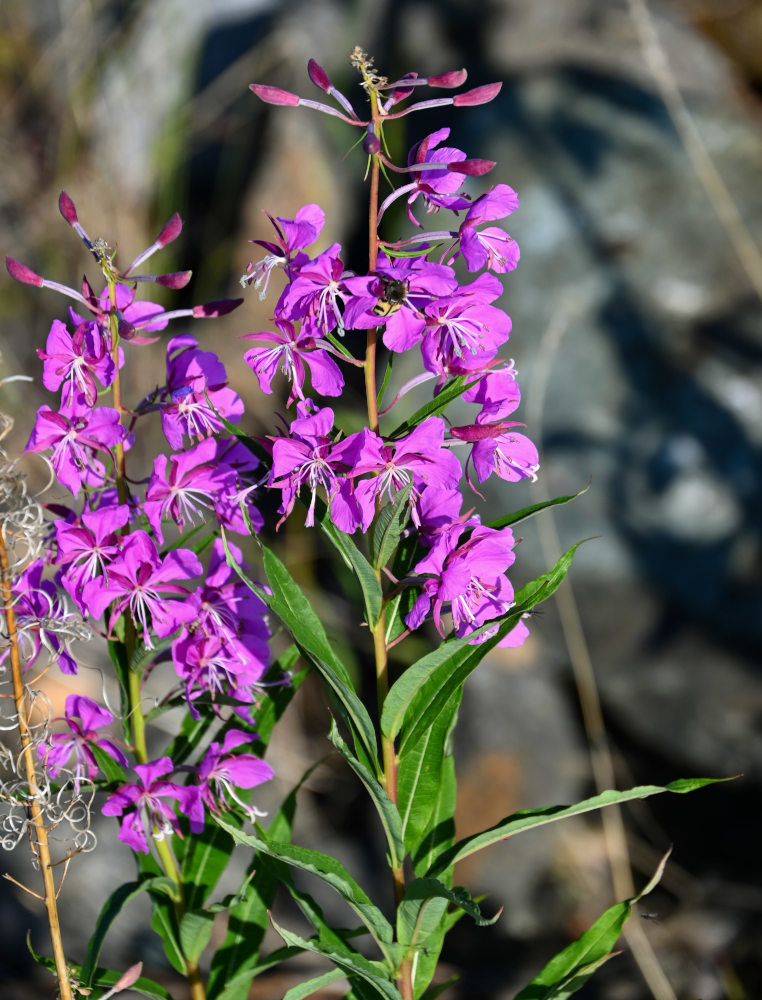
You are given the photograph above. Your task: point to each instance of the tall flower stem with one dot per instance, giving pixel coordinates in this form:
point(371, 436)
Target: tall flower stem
point(38, 830)
point(137, 718)
point(389, 754)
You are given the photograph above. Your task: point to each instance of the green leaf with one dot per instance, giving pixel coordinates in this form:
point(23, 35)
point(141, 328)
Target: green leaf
point(453, 390)
point(356, 561)
point(313, 985)
point(289, 603)
point(195, 931)
point(419, 773)
point(355, 964)
point(529, 819)
point(426, 686)
point(330, 871)
point(236, 961)
point(111, 909)
point(386, 809)
point(440, 832)
point(526, 512)
point(388, 526)
point(112, 770)
point(143, 656)
point(541, 588)
point(164, 915)
point(204, 857)
point(570, 969)
point(423, 690)
point(416, 922)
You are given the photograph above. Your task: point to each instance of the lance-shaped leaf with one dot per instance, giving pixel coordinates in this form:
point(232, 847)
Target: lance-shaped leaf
point(330, 871)
point(419, 773)
point(289, 603)
point(453, 390)
point(529, 819)
point(111, 909)
point(526, 512)
point(236, 961)
point(440, 832)
point(374, 973)
point(421, 910)
point(425, 687)
point(388, 526)
point(311, 986)
point(362, 569)
point(570, 969)
point(386, 809)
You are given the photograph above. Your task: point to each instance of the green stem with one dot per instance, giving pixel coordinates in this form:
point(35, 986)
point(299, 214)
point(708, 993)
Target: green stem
point(137, 718)
point(389, 754)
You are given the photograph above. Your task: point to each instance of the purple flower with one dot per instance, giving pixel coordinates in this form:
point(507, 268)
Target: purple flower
point(137, 581)
point(405, 326)
point(309, 457)
point(498, 449)
point(292, 351)
point(227, 608)
point(469, 579)
point(41, 617)
point(84, 717)
point(142, 807)
point(76, 360)
point(465, 323)
point(192, 376)
point(419, 458)
point(76, 433)
point(491, 247)
point(315, 293)
point(221, 773)
point(436, 187)
point(187, 486)
point(88, 546)
point(291, 235)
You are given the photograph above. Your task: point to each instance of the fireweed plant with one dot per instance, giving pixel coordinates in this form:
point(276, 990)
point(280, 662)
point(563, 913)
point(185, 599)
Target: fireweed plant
point(151, 567)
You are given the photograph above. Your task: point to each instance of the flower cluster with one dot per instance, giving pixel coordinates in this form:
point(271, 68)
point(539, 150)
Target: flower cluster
point(413, 296)
point(108, 550)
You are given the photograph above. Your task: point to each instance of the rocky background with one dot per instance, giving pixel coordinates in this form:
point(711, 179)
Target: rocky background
point(638, 337)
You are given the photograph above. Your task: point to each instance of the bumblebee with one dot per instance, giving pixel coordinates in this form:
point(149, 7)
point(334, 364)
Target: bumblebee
point(394, 294)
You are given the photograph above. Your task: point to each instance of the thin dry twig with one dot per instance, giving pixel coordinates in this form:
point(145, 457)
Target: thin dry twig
point(601, 759)
point(730, 218)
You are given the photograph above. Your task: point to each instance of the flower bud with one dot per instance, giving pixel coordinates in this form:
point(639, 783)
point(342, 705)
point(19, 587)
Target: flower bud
point(22, 273)
point(219, 308)
point(319, 76)
point(178, 279)
point(274, 95)
point(67, 209)
point(170, 231)
point(371, 144)
point(479, 95)
point(455, 78)
point(474, 168)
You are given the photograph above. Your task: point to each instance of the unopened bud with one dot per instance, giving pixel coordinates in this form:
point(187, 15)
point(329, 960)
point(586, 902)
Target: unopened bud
point(319, 76)
point(178, 279)
point(479, 95)
point(473, 168)
point(67, 209)
point(455, 78)
point(274, 95)
point(170, 231)
point(219, 308)
point(23, 273)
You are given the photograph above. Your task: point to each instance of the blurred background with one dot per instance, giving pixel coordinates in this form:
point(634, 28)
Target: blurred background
point(638, 339)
